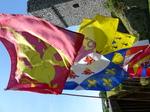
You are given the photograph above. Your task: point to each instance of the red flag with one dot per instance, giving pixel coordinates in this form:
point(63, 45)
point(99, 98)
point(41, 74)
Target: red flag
point(137, 61)
point(41, 53)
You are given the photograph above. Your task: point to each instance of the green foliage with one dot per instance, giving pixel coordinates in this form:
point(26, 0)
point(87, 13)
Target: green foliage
point(104, 107)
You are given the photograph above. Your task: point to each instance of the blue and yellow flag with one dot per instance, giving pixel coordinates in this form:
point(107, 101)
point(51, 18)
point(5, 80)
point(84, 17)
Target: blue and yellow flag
point(95, 72)
point(117, 57)
point(121, 41)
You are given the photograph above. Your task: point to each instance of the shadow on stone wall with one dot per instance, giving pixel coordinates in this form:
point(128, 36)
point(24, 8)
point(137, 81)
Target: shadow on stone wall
point(35, 5)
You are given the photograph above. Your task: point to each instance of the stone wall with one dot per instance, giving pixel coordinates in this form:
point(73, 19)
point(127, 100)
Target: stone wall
point(66, 13)
point(133, 14)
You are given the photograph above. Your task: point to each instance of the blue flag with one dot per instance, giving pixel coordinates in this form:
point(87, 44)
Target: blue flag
point(117, 57)
point(95, 72)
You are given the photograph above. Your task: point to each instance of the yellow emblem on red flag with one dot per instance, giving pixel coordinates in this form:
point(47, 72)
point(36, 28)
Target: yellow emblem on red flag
point(39, 53)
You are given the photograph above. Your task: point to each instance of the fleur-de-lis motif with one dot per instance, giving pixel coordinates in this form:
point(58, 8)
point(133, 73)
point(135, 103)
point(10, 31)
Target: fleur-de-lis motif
point(92, 83)
point(110, 71)
point(107, 82)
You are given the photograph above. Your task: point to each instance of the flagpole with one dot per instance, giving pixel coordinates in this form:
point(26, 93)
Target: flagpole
point(128, 99)
point(83, 96)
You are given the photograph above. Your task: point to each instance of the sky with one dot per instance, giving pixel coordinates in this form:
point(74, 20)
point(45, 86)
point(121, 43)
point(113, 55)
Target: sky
point(18, 101)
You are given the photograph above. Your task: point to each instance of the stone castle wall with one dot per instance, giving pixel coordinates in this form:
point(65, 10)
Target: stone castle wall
point(65, 13)
point(133, 14)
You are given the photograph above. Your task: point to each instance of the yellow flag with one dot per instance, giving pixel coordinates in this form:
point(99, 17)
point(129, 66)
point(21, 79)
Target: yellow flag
point(101, 29)
point(121, 41)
